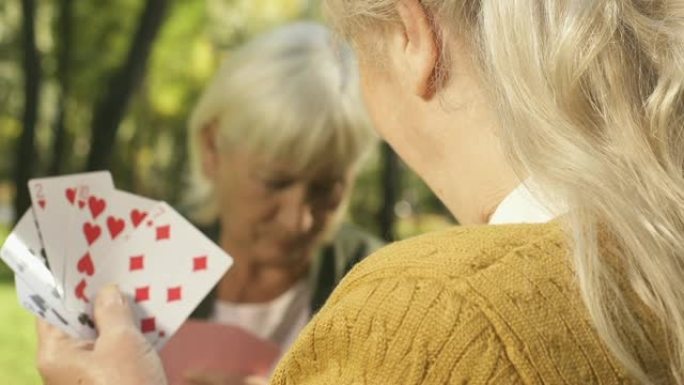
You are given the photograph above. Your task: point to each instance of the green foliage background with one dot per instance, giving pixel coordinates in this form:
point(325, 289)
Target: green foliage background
point(150, 149)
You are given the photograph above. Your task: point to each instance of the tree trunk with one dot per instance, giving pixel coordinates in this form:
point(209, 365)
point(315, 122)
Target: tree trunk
point(390, 191)
point(26, 151)
point(63, 56)
point(109, 112)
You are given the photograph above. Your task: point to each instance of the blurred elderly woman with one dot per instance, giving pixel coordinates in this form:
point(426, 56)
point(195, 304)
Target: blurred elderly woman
point(566, 114)
point(275, 143)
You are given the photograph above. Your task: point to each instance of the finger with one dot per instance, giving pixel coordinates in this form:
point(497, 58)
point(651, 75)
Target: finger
point(112, 312)
point(256, 380)
point(49, 335)
point(196, 378)
point(52, 344)
point(195, 375)
point(47, 331)
point(196, 381)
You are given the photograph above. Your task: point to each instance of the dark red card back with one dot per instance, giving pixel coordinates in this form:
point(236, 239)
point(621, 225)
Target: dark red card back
point(201, 346)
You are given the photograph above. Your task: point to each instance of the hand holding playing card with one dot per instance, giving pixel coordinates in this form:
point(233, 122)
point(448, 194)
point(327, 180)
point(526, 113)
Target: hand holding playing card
point(166, 267)
point(82, 234)
point(120, 354)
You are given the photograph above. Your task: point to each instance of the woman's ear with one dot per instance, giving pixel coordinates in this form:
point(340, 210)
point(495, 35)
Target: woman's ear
point(209, 152)
point(421, 50)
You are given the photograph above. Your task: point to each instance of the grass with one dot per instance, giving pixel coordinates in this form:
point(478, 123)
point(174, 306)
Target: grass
point(17, 333)
point(17, 340)
point(5, 272)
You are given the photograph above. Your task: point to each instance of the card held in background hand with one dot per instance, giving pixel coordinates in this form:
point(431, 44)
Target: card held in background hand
point(116, 214)
point(35, 285)
point(166, 268)
point(156, 257)
point(54, 201)
point(201, 346)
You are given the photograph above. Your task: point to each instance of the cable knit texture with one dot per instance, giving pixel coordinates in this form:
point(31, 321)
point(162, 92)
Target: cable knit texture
point(470, 305)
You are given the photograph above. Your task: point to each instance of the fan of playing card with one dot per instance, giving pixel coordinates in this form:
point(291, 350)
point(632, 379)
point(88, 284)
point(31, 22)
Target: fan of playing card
point(82, 234)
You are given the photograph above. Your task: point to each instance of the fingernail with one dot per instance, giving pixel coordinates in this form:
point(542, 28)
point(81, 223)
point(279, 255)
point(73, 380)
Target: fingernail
point(110, 295)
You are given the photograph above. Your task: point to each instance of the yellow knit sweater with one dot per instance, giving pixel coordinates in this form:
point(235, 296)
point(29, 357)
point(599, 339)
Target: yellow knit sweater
point(471, 305)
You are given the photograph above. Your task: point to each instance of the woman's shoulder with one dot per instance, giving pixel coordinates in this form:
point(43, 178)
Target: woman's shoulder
point(483, 304)
point(463, 252)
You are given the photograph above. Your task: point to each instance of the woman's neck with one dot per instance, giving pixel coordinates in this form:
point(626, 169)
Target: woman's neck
point(254, 282)
point(245, 283)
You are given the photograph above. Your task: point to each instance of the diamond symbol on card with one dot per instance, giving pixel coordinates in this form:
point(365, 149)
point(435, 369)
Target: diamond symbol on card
point(136, 262)
point(142, 294)
point(199, 263)
point(173, 294)
point(148, 325)
point(163, 232)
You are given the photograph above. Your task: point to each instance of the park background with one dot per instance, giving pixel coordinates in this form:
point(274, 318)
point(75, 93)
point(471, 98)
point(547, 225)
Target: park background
point(91, 85)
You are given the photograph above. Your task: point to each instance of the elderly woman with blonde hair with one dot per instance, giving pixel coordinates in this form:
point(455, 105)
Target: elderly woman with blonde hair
point(275, 142)
point(567, 115)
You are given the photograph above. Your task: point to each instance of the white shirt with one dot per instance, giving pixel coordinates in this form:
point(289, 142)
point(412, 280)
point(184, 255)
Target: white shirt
point(520, 206)
point(279, 320)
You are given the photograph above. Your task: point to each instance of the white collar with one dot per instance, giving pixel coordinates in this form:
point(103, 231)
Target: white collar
point(521, 206)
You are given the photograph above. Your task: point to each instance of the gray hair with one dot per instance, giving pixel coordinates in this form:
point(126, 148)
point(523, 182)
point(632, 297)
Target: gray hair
point(291, 95)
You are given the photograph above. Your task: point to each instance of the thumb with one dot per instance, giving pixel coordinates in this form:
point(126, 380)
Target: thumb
point(112, 311)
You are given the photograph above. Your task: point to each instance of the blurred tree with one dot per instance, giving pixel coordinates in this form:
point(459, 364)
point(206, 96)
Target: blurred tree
point(97, 107)
point(390, 192)
point(64, 24)
point(25, 153)
point(109, 112)
point(11, 88)
point(151, 145)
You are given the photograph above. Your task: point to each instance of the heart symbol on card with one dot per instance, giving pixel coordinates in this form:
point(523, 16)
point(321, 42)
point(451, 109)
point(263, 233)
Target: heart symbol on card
point(96, 206)
point(115, 226)
point(91, 232)
point(79, 291)
point(71, 195)
point(41, 203)
point(137, 217)
point(85, 265)
point(81, 204)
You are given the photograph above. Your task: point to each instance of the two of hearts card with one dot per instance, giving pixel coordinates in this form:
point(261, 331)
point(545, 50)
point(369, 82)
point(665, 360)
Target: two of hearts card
point(81, 234)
